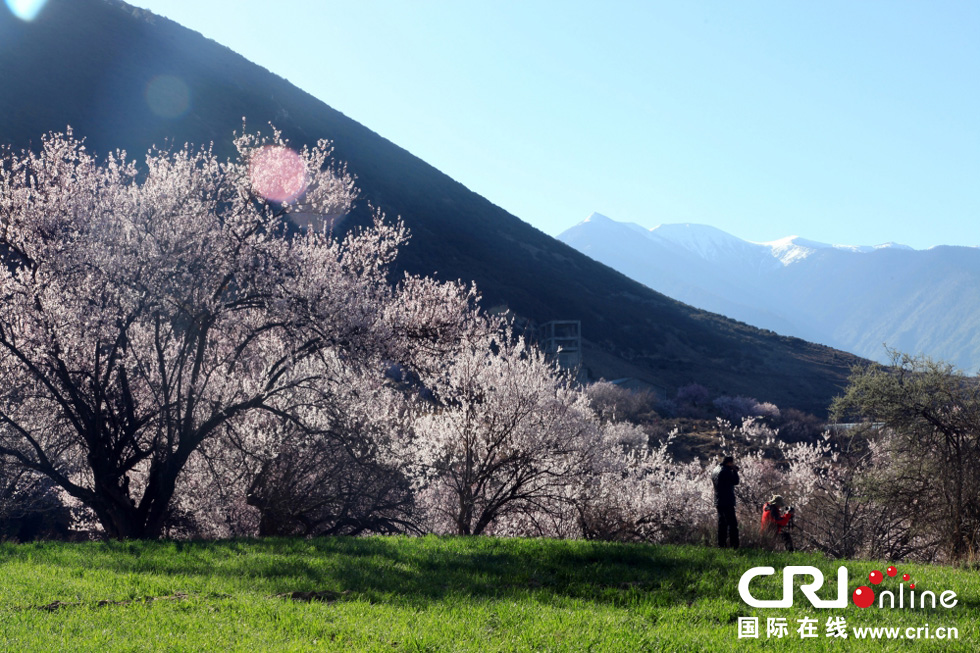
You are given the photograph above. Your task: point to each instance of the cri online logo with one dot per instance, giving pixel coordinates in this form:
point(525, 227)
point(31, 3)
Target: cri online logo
point(863, 596)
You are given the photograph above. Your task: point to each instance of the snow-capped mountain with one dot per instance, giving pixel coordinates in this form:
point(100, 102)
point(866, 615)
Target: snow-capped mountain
point(791, 249)
point(857, 298)
point(713, 244)
point(710, 243)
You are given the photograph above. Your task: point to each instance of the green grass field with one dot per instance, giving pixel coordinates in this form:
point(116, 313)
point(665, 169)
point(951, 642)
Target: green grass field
point(430, 594)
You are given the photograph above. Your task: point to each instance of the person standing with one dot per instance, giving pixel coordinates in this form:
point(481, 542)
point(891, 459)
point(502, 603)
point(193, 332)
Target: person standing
point(725, 478)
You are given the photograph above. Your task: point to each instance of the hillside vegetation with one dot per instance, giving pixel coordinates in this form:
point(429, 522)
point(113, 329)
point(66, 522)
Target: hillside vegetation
point(426, 594)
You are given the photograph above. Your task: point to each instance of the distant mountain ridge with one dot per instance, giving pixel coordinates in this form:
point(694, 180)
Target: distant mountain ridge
point(712, 243)
point(855, 298)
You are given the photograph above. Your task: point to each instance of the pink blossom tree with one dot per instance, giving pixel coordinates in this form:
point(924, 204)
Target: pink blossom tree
point(151, 312)
point(642, 493)
point(337, 475)
point(507, 435)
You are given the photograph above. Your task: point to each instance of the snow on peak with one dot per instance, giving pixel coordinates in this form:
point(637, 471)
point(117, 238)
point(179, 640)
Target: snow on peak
point(701, 239)
point(791, 249)
point(890, 245)
point(715, 245)
point(605, 222)
point(597, 217)
point(598, 231)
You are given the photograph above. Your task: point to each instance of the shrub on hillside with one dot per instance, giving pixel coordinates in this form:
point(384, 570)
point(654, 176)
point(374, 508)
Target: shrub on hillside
point(736, 409)
point(615, 403)
point(796, 426)
point(692, 400)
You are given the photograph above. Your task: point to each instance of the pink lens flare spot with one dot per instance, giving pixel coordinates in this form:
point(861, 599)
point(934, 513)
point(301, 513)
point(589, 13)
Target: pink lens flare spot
point(863, 597)
point(905, 576)
point(278, 174)
point(875, 577)
point(891, 571)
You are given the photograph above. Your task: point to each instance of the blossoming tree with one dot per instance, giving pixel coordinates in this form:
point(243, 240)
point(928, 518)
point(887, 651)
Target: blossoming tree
point(507, 436)
point(150, 310)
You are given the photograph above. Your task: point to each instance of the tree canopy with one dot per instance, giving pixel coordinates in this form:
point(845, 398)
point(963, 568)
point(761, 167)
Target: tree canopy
point(149, 309)
point(930, 415)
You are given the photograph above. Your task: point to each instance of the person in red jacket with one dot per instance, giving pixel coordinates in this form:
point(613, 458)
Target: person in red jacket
point(775, 521)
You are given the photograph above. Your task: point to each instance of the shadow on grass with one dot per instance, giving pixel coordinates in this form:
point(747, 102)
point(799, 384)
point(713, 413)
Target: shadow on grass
point(419, 571)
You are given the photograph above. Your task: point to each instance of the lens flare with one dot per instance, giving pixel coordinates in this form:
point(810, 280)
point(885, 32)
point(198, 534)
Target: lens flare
point(26, 9)
point(167, 96)
point(278, 174)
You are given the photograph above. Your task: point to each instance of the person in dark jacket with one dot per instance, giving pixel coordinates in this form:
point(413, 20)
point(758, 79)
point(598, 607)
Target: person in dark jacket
point(725, 478)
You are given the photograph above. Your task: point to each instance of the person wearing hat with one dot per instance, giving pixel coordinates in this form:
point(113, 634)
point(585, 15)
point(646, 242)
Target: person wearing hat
point(725, 477)
point(773, 519)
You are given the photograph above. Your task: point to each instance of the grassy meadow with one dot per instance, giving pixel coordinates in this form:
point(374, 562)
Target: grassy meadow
point(430, 594)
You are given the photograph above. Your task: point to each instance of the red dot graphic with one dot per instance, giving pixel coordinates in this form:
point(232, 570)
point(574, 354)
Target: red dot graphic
point(875, 577)
point(905, 576)
point(912, 585)
point(863, 597)
point(891, 571)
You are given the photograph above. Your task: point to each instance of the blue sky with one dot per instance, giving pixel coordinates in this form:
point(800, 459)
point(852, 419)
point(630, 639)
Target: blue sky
point(845, 122)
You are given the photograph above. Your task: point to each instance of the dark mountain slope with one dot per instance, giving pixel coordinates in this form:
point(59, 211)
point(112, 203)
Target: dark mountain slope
point(88, 63)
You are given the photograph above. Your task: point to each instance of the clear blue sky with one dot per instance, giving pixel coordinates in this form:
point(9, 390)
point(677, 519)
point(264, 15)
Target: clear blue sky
point(846, 122)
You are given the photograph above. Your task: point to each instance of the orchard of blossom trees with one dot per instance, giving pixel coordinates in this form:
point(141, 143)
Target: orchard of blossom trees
point(180, 358)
